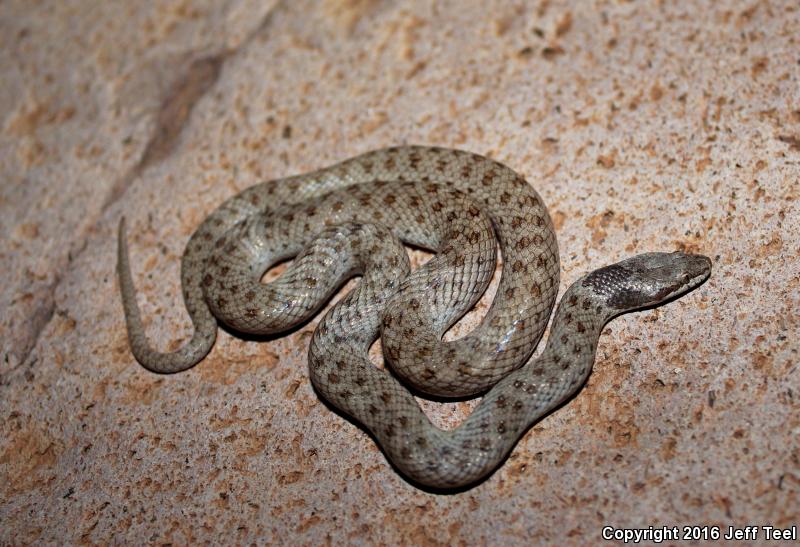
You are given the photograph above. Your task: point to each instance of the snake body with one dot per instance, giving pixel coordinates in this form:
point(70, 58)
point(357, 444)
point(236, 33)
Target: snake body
point(350, 219)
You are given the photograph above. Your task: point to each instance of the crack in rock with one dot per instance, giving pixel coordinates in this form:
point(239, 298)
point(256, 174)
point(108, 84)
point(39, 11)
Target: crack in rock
point(173, 116)
point(177, 107)
point(32, 328)
point(178, 104)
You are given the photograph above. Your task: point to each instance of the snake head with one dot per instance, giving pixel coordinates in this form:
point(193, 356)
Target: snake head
point(647, 279)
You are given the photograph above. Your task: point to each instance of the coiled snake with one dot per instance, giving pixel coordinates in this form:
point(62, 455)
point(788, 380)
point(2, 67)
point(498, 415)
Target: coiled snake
point(349, 219)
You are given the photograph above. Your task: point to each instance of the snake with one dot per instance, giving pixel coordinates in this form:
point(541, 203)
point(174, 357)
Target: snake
point(352, 219)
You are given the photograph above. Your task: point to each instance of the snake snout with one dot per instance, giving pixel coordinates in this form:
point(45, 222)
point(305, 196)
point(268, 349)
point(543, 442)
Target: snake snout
point(648, 279)
point(694, 269)
point(676, 274)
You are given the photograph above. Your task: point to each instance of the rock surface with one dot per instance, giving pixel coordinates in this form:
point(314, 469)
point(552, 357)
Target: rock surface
point(644, 126)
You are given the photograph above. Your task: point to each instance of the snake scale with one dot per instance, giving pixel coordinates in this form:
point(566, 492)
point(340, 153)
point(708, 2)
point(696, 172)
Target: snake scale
point(351, 219)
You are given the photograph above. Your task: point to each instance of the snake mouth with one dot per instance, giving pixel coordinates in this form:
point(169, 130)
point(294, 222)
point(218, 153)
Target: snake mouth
point(698, 269)
point(648, 279)
point(693, 271)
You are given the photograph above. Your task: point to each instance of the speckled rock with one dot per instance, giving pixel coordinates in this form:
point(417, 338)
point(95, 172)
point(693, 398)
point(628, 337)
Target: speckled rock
point(645, 126)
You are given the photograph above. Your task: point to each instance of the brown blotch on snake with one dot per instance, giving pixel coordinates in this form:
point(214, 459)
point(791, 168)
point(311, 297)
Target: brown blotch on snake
point(320, 215)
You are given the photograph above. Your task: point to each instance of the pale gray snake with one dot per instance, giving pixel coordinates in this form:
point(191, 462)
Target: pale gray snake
point(349, 219)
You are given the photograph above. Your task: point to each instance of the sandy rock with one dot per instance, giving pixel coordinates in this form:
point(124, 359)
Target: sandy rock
point(644, 126)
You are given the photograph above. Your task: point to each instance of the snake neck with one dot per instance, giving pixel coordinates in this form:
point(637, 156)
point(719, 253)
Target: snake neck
point(572, 343)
